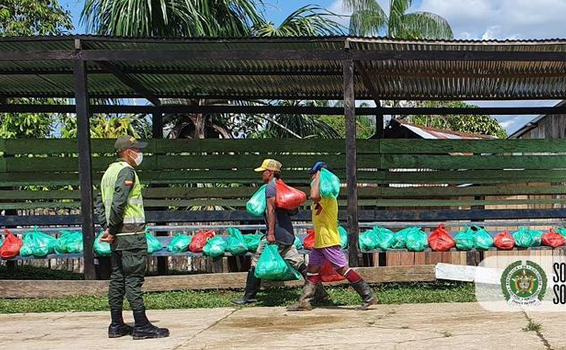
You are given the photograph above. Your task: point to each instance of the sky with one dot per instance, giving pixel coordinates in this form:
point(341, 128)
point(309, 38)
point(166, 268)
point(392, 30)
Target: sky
point(470, 19)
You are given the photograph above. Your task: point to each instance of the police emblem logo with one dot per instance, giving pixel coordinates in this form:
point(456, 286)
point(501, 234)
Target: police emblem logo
point(524, 283)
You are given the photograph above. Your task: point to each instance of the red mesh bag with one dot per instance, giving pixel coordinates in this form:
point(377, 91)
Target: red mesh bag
point(199, 240)
point(440, 240)
point(308, 242)
point(327, 273)
point(553, 239)
point(504, 241)
point(11, 246)
point(288, 197)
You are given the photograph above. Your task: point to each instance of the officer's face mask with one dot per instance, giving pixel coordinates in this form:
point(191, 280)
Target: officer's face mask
point(137, 157)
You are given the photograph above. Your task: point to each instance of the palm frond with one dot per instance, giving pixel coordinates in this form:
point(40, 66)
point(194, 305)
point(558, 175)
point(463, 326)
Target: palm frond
point(367, 19)
point(361, 5)
point(425, 25)
point(309, 20)
point(301, 125)
point(397, 10)
point(367, 23)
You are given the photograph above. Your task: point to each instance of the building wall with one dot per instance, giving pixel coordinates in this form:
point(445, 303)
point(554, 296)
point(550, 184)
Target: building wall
point(550, 127)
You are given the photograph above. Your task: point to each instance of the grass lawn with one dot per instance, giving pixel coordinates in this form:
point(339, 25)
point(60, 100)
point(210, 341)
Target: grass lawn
point(387, 294)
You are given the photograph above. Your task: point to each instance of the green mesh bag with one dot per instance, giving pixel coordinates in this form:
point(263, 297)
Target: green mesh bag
point(153, 244)
point(271, 266)
point(236, 242)
point(385, 238)
point(417, 240)
point(465, 240)
point(482, 239)
point(215, 247)
point(102, 248)
point(329, 184)
point(179, 243)
point(257, 204)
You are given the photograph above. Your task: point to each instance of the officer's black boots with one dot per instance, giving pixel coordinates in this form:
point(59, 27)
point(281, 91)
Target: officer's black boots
point(118, 328)
point(252, 287)
point(143, 329)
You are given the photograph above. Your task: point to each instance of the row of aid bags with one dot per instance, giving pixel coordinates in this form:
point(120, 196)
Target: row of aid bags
point(236, 244)
point(40, 244)
point(411, 238)
point(414, 239)
point(104, 249)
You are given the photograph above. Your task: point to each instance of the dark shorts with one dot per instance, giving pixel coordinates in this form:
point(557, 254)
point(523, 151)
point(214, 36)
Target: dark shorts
point(333, 254)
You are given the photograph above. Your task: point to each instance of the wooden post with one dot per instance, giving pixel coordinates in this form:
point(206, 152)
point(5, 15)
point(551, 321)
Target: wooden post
point(85, 165)
point(157, 125)
point(157, 133)
point(379, 134)
point(379, 121)
point(351, 164)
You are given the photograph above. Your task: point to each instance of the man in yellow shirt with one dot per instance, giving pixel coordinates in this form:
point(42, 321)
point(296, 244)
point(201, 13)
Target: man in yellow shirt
point(327, 246)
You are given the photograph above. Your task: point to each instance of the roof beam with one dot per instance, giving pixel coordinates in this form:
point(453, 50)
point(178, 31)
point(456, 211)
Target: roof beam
point(251, 72)
point(175, 71)
point(554, 95)
point(231, 55)
point(129, 81)
point(27, 108)
point(158, 55)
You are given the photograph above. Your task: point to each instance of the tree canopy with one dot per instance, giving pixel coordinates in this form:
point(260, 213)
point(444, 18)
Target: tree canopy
point(368, 18)
point(24, 18)
point(474, 124)
point(33, 17)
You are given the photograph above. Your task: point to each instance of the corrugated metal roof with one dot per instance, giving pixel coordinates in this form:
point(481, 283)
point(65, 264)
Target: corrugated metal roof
point(441, 134)
point(391, 78)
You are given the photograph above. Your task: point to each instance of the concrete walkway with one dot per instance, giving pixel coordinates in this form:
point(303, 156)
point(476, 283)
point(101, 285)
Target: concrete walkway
point(408, 326)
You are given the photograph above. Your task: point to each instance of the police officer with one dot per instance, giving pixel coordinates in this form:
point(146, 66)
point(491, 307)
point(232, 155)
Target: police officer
point(121, 214)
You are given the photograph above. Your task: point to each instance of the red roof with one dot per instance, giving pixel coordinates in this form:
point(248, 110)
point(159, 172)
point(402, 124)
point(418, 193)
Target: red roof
point(439, 134)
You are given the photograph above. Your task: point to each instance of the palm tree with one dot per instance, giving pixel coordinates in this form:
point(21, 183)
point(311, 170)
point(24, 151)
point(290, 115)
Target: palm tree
point(226, 18)
point(172, 18)
point(368, 18)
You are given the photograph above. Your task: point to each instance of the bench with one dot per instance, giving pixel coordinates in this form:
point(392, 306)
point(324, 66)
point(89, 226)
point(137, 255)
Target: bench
point(165, 240)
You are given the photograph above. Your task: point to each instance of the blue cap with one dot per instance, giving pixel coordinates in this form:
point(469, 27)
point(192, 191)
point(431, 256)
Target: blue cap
point(317, 167)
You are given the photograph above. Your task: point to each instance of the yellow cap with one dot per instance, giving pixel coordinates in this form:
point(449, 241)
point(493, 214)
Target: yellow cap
point(269, 164)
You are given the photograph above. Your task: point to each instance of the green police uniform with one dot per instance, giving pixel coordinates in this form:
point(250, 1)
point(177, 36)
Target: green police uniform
point(121, 212)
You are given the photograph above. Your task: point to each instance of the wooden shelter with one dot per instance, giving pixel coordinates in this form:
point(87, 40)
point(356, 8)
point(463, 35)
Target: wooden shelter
point(319, 68)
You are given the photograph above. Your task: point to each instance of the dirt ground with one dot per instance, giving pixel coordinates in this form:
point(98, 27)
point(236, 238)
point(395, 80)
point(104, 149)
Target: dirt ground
point(407, 326)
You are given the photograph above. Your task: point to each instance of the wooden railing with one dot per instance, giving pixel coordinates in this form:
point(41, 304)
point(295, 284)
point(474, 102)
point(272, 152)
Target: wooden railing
point(394, 174)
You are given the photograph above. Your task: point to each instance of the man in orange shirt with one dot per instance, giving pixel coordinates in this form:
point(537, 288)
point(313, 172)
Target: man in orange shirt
point(327, 245)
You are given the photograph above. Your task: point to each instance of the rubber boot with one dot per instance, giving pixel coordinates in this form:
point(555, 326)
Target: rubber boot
point(364, 290)
point(320, 295)
point(117, 327)
point(143, 329)
point(305, 299)
point(252, 287)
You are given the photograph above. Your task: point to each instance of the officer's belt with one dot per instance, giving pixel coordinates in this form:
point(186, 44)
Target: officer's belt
point(129, 233)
